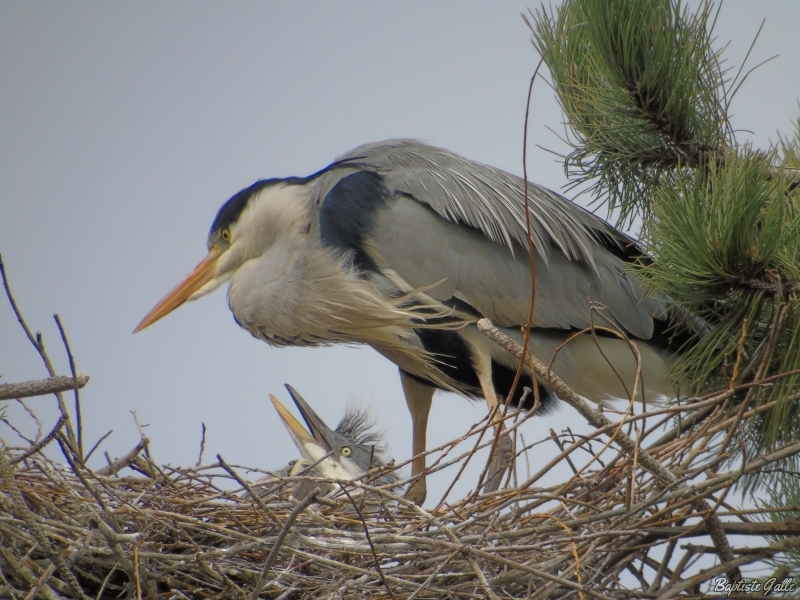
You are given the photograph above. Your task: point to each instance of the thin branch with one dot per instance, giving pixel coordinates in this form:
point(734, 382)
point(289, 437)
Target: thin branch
point(273, 555)
point(41, 443)
point(39, 345)
point(202, 445)
point(369, 540)
point(97, 444)
point(123, 462)
point(75, 386)
point(41, 387)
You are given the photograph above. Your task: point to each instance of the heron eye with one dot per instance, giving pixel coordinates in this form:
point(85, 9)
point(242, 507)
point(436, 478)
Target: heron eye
point(226, 235)
point(346, 451)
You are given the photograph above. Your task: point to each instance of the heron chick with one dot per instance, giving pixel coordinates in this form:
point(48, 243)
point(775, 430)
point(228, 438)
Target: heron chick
point(345, 453)
point(405, 247)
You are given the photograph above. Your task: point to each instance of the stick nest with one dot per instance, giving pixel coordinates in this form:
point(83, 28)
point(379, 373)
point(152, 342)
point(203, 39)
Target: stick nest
point(647, 513)
point(175, 533)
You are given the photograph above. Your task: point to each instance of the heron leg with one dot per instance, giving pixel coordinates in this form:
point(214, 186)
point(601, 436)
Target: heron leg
point(419, 396)
point(483, 369)
point(503, 453)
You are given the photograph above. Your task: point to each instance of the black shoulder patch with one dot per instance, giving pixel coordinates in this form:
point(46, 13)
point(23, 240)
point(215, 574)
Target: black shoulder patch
point(347, 214)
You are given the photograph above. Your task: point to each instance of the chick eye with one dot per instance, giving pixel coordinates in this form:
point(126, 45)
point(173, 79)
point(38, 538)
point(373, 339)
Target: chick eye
point(346, 451)
point(226, 235)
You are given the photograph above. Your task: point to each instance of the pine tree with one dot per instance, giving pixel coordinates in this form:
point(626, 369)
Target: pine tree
point(646, 98)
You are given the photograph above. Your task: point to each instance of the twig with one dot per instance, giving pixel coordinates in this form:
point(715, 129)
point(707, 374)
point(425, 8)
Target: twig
point(105, 582)
point(120, 463)
point(97, 444)
point(253, 495)
point(151, 465)
point(554, 437)
point(75, 386)
point(41, 443)
point(728, 566)
point(41, 387)
point(465, 462)
point(202, 446)
point(33, 416)
point(136, 573)
point(305, 503)
point(21, 571)
point(34, 591)
point(39, 345)
point(369, 540)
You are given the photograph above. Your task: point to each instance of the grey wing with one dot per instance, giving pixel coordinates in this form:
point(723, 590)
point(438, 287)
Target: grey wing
point(418, 239)
point(484, 197)
point(416, 248)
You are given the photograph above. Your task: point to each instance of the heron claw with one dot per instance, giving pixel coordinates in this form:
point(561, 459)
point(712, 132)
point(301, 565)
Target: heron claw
point(417, 492)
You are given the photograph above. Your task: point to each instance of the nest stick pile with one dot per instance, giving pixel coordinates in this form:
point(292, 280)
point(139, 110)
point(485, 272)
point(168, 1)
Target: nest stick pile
point(610, 531)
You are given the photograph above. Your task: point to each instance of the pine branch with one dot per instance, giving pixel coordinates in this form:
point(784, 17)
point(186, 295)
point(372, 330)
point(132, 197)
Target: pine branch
point(642, 90)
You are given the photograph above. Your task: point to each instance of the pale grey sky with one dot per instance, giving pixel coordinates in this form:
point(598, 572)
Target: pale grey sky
point(124, 127)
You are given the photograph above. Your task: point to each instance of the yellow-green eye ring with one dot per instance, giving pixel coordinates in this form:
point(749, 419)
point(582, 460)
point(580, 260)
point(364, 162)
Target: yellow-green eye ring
point(346, 451)
point(226, 235)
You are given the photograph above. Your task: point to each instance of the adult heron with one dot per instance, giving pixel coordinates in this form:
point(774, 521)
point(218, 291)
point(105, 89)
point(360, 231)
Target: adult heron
point(404, 246)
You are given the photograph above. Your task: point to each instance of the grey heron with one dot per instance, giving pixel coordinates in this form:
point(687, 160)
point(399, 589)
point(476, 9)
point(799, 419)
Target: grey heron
point(344, 453)
point(404, 246)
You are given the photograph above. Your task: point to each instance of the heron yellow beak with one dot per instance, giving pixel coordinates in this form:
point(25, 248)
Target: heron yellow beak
point(200, 275)
point(293, 425)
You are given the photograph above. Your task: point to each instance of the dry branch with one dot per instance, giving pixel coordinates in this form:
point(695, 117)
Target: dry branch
point(41, 387)
point(117, 465)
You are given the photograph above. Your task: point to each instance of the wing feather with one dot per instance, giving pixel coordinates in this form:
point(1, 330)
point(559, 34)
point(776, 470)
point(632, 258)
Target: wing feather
point(482, 196)
point(418, 232)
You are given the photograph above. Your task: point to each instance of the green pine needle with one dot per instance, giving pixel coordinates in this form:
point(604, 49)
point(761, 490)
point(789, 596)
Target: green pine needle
point(727, 249)
point(642, 89)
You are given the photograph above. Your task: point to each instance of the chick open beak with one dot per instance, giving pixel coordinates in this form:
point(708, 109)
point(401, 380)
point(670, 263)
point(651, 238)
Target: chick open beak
point(321, 432)
point(200, 275)
point(299, 434)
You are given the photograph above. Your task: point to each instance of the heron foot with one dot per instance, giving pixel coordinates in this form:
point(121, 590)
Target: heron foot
point(417, 492)
point(501, 460)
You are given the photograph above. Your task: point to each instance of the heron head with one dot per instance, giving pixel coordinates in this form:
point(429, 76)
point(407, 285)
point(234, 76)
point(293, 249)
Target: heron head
point(338, 454)
point(269, 213)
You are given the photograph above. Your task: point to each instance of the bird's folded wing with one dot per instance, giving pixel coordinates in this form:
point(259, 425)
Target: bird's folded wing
point(486, 198)
point(458, 225)
point(423, 248)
